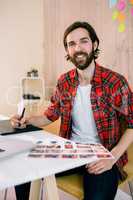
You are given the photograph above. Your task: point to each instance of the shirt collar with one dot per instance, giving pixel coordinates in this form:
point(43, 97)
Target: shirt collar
point(96, 79)
point(97, 76)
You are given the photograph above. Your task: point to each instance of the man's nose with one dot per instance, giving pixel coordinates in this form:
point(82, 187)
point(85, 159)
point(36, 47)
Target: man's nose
point(78, 47)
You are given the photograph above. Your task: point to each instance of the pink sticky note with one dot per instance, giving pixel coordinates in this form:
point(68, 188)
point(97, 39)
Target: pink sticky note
point(132, 11)
point(121, 5)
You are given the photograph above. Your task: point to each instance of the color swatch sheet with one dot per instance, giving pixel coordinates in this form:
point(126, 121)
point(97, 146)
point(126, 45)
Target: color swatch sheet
point(68, 149)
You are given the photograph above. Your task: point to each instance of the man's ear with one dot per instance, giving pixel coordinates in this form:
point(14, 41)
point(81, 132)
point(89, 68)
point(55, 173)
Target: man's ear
point(95, 45)
point(66, 50)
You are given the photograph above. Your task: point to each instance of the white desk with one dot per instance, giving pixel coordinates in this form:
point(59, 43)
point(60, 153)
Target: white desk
point(3, 117)
point(21, 168)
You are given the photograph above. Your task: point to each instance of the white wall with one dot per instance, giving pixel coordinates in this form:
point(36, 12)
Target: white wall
point(21, 47)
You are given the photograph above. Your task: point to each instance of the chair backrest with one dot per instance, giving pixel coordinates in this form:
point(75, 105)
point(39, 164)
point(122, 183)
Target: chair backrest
point(54, 127)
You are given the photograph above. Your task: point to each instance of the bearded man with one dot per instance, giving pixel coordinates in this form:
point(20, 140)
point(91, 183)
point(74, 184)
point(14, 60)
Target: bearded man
point(96, 106)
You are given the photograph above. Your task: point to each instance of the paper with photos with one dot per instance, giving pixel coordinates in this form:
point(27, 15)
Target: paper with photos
point(68, 149)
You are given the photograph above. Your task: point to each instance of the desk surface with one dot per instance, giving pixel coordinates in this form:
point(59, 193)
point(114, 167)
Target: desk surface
point(2, 117)
point(21, 168)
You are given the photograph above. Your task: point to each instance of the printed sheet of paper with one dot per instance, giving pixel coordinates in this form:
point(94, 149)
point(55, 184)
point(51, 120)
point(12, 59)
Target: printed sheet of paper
point(68, 149)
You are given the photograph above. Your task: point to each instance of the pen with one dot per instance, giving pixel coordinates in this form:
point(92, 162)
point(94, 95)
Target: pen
point(22, 115)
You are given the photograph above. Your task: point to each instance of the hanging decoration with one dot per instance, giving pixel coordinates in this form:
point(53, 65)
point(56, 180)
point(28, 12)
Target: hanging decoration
point(119, 12)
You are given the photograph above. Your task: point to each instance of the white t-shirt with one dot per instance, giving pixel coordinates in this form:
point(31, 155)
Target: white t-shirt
point(83, 124)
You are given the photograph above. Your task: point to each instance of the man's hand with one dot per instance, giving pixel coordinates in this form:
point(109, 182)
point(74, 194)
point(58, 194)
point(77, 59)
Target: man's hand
point(16, 122)
point(40, 120)
point(100, 166)
point(103, 165)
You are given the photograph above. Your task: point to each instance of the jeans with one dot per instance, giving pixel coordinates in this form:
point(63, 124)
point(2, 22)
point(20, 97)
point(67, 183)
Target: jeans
point(97, 187)
point(101, 187)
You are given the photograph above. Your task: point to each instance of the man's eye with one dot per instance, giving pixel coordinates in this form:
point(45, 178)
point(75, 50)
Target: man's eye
point(72, 44)
point(84, 41)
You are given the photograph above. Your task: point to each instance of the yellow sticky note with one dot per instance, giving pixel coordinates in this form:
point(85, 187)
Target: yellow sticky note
point(115, 15)
point(121, 27)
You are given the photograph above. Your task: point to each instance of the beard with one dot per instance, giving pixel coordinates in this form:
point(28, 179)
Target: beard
point(82, 59)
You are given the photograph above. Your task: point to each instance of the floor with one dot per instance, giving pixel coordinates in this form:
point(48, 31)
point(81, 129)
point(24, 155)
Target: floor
point(120, 196)
point(64, 196)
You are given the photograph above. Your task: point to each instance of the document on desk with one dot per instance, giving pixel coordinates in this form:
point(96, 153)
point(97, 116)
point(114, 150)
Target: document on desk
point(22, 168)
point(69, 149)
point(10, 146)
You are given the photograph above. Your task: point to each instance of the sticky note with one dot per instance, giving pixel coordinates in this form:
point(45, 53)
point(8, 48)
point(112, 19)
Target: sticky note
point(132, 11)
point(121, 17)
point(112, 3)
point(115, 15)
point(121, 5)
point(131, 2)
point(121, 27)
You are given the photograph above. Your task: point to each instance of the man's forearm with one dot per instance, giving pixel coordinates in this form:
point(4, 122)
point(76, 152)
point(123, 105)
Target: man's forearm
point(39, 120)
point(123, 144)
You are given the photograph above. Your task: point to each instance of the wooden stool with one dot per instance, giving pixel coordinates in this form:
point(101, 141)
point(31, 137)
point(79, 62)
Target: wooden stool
point(44, 187)
point(72, 184)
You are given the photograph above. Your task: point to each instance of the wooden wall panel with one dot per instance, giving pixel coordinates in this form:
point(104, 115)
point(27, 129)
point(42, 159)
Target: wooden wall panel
point(116, 48)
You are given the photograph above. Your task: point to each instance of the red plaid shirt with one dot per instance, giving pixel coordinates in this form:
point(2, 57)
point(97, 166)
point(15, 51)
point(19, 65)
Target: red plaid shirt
point(111, 100)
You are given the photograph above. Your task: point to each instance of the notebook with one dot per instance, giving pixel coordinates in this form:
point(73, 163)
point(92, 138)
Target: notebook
point(7, 129)
point(10, 146)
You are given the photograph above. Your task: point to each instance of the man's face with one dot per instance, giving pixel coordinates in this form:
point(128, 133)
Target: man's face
point(80, 48)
